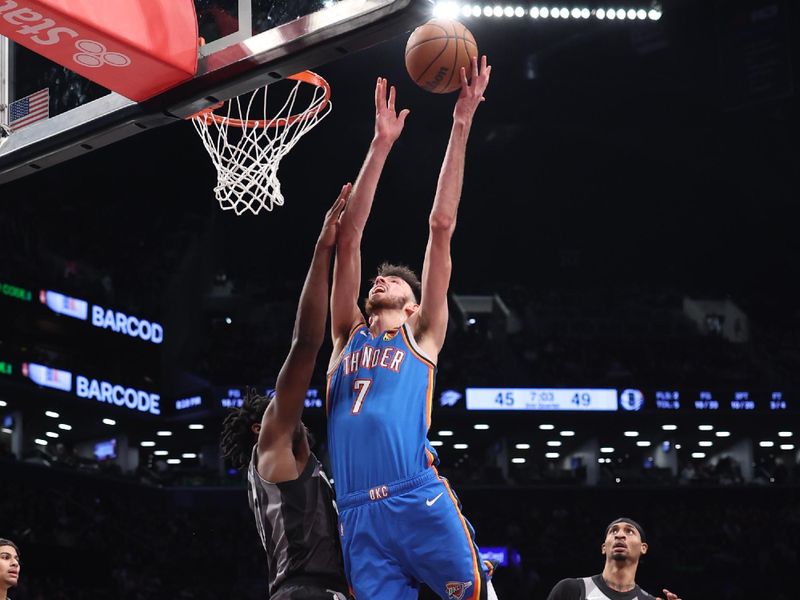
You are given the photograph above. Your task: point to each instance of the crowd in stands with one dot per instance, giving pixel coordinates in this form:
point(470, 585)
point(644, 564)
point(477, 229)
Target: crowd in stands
point(86, 537)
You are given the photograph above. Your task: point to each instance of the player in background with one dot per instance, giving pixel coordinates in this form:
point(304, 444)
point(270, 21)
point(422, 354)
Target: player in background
point(623, 546)
point(289, 493)
point(9, 567)
point(400, 522)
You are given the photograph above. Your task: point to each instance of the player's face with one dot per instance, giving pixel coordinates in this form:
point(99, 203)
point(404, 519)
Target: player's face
point(623, 543)
point(390, 292)
point(9, 566)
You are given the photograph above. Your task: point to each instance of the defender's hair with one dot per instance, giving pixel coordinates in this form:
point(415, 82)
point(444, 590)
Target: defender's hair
point(406, 274)
point(5, 542)
point(237, 440)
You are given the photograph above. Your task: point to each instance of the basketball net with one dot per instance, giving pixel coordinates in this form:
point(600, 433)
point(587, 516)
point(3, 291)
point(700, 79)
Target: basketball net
point(246, 146)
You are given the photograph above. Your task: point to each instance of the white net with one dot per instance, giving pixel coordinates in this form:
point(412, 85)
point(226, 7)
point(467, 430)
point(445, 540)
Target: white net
point(246, 147)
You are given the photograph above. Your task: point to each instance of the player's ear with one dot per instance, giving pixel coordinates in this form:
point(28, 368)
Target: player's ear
point(255, 428)
point(644, 548)
point(603, 548)
point(410, 309)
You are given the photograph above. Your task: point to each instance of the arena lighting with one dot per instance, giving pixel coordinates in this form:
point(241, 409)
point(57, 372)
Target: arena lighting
point(785, 434)
point(147, 444)
point(65, 427)
point(188, 455)
point(523, 446)
point(554, 443)
point(631, 434)
point(723, 434)
point(606, 450)
point(437, 443)
point(787, 446)
point(109, 422)
point(705, 427)
point(518, 461)
point(6, 430)
point(705, 444)
point(445, 433)
point(519, 12)
point(3, 403)
point(551, 455)
point(51, 434)
point(173, 461)
point(480, 426)
point(677, 446)
point(460, 446)
point(618, 480)
point(508, 11)
point(654, 14)
point(669, 427)
point(196, 426)
point(546, 427)
point(51, 414)
point(698, 454)
point(766, 444)
point(161, 452)
point(40, 442)
point(566, 433)
point(643, 443)
point(163, 433)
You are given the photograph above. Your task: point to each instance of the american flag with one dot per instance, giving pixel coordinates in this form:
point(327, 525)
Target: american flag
point(29, 109)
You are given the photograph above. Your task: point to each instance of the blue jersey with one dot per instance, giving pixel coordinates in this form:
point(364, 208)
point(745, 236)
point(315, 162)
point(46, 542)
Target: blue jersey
point(379, 410)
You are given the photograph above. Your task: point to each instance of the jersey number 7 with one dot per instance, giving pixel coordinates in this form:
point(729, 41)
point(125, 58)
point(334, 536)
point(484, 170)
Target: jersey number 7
point(361, 387)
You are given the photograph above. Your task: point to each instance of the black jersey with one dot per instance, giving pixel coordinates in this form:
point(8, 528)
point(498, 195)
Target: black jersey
point(297, 523)
point(593, 588)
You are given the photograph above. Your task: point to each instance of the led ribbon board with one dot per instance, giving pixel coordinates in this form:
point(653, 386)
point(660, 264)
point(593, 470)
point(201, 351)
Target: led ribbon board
point(103, 318)
point(94, 389)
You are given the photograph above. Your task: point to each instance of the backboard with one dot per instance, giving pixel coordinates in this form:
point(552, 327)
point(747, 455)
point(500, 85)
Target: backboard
point(245, 44)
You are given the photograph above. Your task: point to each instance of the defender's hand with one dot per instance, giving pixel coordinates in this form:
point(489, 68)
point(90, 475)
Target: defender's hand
point(330, 227)
point(471, 94)
point(388, 124)
point(669, 595)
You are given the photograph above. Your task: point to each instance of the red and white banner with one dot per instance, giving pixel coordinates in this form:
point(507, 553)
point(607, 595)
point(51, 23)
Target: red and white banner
point(133, 47)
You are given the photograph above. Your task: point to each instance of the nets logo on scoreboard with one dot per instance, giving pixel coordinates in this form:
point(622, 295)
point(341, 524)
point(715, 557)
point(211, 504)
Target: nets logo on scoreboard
point(631, 400)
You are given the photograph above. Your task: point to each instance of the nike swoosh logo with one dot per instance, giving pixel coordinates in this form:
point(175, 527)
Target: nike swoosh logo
point(432, 502)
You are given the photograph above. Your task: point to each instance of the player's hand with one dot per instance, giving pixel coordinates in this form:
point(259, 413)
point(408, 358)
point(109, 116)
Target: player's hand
point(472, 91)
point(388, 124)
point(669, 595)
point(330, 227)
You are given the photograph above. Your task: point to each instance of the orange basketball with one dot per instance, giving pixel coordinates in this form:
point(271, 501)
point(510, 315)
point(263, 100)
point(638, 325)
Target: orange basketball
point(435, 53)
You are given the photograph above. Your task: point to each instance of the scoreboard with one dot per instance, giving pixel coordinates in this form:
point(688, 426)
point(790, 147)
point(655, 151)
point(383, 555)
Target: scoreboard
point(663, 400)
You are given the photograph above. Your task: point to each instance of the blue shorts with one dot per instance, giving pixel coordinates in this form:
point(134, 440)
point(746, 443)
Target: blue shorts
point(399, 534)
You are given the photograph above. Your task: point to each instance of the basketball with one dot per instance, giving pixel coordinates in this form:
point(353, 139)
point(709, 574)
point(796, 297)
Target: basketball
point(435, 53)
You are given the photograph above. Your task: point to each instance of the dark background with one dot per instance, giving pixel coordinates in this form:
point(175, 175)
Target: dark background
point(614, 169)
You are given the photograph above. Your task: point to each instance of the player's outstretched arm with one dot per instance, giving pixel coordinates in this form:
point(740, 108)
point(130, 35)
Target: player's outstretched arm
point(347, 269)
point(284, 412)
point(430, 322)
point(669, 595)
